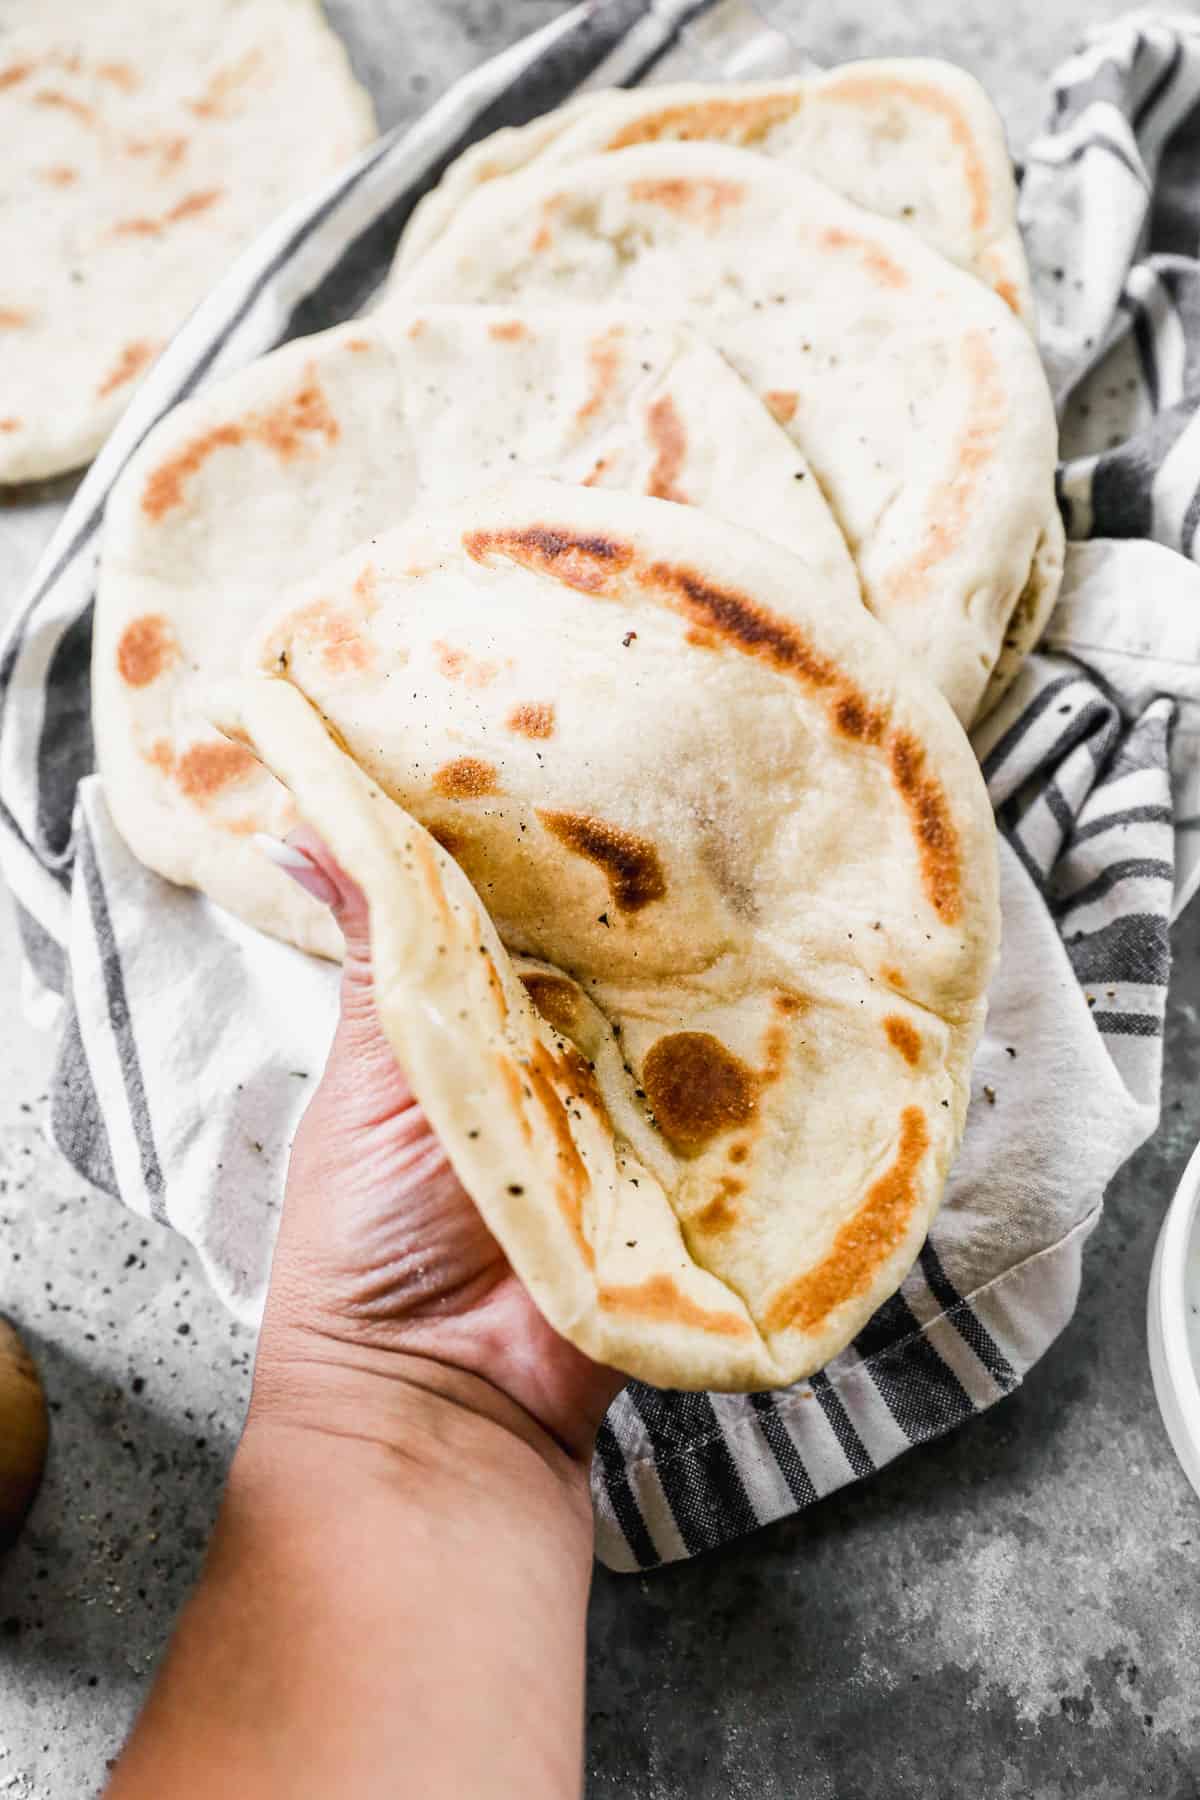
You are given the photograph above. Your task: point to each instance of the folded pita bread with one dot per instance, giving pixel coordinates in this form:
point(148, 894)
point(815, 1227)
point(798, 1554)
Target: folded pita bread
point(918, 399)
point(143, 145)
point(276, 470)
point(682, 918)
point(912, 138)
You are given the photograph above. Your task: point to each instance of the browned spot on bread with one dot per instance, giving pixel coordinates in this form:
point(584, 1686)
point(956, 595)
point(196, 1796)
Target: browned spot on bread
point(331, 632)
point(894, 978)
point(432, 876)
point(586, 563)
point(932, 826)
point(511, 1076)
point(790, 1004)
point(131, 362)
point(704, 200)
point(10, 424)
point(451, 841)
point(739, 1152)
point(697, 1089)
point(286, 430)
point(888, 273)
point(466, 778)
point(417, 328)
point(160, 756)
point(951, 504)
point(740, 122)
point(364, 590)
point(493, 978)
point(543, 237)
point(573, 1177)
point(59, 175)
point(721, 1212)
point(630, 863)
point(56, 99)
point(532, 719)
point(555, 998)
point(579, 1077)
point(661, 1300)
point(15, 72)
point(869, 90)
point(458, 665)
point(781, 404)
point(508, 331)
point(599, 468)
point(774, 1051)
point(703, 640)
point(205, 769)
point(863, 1244)
point(854, 717)
point(670, 444)
point(120, 74)
point(604, 363)
point(146, 648)
point(13, 317)
point(218, 101)
point(904, 1037)
point(168, 145)
point(740, 621)
point(358, 344)
point(187, 208)
point(191, 204)
point(1008, 293)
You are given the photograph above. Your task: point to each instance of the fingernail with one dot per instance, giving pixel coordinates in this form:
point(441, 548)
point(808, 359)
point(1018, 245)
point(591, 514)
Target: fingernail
point(300, 866)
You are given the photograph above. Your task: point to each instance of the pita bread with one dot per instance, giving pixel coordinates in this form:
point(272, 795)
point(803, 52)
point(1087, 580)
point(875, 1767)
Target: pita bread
point(913, 139)
point(737, 854)
point(273, 472)
point(142, 145)
point(918, 399)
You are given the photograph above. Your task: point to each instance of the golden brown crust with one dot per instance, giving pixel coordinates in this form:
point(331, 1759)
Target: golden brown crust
point(864, 1243)
point(286, 430)
point(698, 1089)
point(146, 649)
point(630, 864)
point(661, 1301)
point(466, 778)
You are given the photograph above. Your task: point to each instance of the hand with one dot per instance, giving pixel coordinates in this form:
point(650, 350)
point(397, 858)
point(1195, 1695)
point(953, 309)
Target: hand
point(382, 1257)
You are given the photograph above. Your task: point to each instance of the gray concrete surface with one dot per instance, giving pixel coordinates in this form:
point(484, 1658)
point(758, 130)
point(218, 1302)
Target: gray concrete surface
point(1012, 1612)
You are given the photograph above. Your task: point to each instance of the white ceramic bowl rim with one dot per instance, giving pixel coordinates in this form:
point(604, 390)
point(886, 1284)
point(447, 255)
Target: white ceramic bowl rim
point(1176, 1379)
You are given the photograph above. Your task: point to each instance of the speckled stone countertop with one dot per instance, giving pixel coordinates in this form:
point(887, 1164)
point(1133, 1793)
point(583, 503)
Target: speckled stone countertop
point(1012, 1612)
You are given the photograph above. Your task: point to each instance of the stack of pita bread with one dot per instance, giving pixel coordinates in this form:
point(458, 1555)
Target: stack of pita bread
point(613, 599)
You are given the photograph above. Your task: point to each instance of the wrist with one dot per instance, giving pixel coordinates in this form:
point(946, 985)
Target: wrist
point(401, 1419)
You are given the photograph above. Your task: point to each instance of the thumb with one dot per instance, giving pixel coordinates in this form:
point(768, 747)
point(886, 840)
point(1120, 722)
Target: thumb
point(362, 1067)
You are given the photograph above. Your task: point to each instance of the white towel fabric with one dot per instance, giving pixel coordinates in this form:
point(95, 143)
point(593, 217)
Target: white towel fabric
point(189, 1044)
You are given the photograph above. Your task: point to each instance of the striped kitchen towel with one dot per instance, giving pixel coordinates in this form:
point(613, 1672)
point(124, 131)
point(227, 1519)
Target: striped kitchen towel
point(188, 1044)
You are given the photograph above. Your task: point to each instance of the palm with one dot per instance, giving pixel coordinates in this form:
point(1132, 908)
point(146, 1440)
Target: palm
point(393, 1243)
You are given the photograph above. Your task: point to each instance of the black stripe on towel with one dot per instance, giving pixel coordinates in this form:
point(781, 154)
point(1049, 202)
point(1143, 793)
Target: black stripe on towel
point(121, 1024)
point(969, 1326)
point(623, 1500)
point(65, 749)
point(45, 954)
point(779, 1442)
point(698, 1475)
point(76, 1121)
point(922, 1393)
point(842, 1426)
